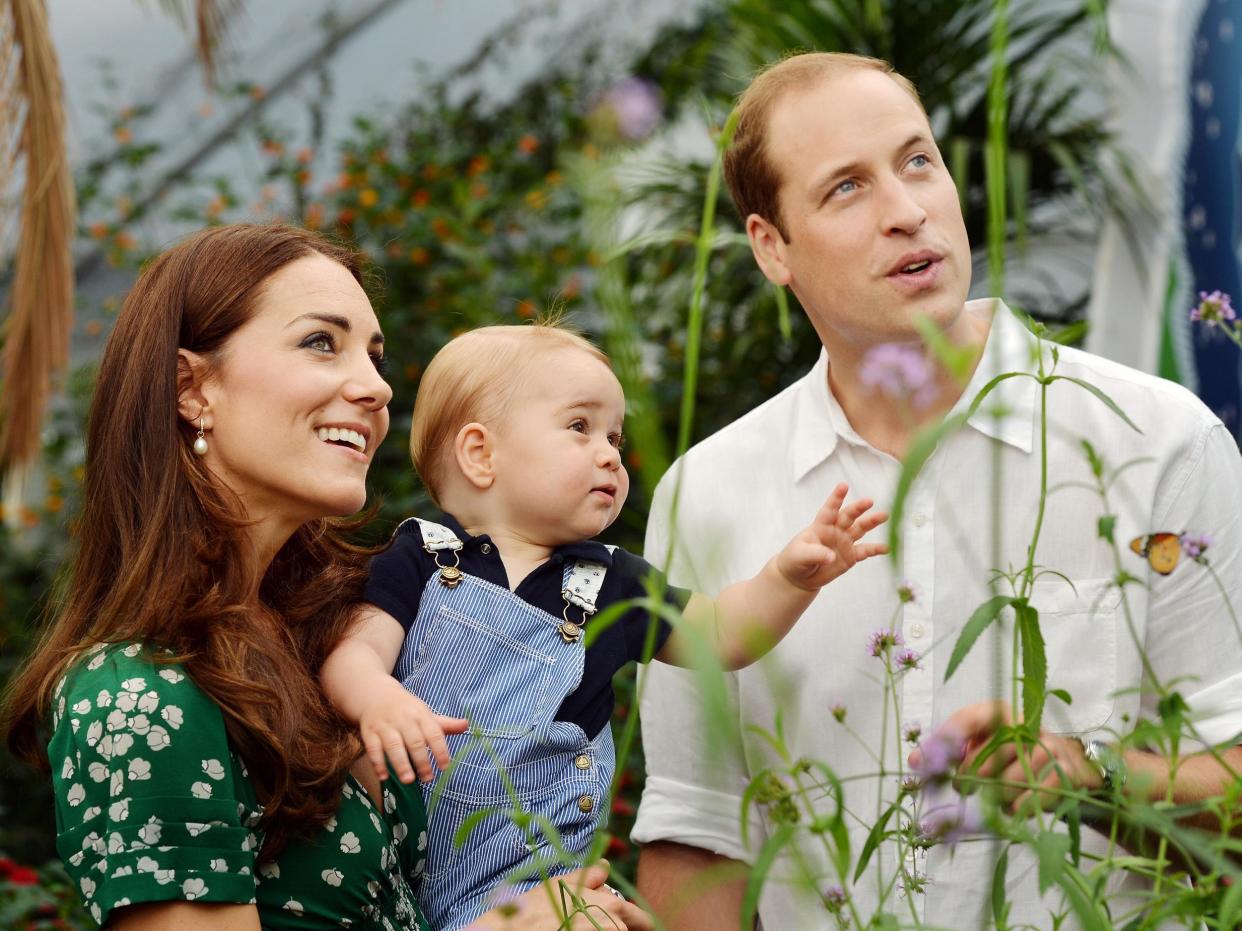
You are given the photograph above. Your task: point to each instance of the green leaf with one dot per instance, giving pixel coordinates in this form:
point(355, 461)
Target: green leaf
point(1000, 906)
point(1073, 824)
point(1090, 916)
point(1061, 694)
point(1108, 402)
point(771, 849)
point(782, 312)
point(1051, 848)
point(1105, 527)
point(1034, 664)
point(873, 841)
point(984, 615)
point(1231, 906)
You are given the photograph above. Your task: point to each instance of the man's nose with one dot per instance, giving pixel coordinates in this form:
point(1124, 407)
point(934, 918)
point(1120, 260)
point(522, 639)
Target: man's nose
point(902, 211)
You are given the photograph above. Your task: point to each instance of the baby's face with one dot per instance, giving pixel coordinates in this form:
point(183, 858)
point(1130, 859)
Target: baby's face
point(559, 476)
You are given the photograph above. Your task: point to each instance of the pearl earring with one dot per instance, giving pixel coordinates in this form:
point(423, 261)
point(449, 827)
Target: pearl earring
point(200, 444)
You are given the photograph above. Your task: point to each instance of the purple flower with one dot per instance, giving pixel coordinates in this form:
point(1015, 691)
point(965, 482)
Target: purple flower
point(950, 820)
point(635, 106)
point(883, 640)
point(908, 592)
point(907, 659)
point(900, 371)
point(834, 899)
point(1214, 309)
point(1195, 544)
point(912, 732)
point(910, 784)
point(938, 755)
point(838, 710)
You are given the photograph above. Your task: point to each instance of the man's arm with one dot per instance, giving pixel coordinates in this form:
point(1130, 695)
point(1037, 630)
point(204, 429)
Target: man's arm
point(691, 889)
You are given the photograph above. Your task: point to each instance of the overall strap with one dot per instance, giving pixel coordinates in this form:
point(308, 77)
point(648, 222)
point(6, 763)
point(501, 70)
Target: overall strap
point(581, 583)
point(436, 539)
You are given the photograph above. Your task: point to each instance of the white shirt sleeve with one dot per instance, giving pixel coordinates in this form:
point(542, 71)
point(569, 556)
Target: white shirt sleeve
point(696, 773)
point(1193, 640)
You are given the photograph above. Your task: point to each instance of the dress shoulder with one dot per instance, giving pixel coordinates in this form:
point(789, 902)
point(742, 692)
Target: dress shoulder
point(151, 804)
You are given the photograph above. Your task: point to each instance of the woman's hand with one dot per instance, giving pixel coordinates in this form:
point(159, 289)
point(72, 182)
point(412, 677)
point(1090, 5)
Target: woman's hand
point(539, 909)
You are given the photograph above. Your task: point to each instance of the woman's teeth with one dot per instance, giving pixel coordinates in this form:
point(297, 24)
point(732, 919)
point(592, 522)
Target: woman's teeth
point(341, 435)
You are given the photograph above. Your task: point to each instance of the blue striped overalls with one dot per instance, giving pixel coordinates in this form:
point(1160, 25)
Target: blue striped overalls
point(478, 651)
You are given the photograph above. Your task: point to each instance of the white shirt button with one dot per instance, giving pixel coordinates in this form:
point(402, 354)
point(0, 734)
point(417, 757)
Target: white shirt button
point(919, 519)
point(916, 631)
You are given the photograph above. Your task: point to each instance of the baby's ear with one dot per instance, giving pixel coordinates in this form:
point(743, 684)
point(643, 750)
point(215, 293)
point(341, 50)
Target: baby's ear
point(472, 449)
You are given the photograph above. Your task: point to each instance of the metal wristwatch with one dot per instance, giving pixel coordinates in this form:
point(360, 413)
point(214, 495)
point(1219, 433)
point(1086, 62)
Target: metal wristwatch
point(1107, 761)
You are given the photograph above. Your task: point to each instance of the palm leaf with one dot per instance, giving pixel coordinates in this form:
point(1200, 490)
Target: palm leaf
point(32, 133)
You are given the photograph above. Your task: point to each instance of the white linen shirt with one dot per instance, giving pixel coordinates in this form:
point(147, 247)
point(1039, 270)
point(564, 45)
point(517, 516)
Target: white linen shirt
point(749, 488)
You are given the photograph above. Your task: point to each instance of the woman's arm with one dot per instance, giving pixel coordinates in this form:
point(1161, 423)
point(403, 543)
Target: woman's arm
point(185, 916)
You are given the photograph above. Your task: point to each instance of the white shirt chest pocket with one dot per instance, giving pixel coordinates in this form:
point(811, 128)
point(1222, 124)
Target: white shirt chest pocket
point(1080, 627)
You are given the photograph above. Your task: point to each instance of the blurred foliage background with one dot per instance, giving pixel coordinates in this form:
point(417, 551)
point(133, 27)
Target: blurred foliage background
point(467, 209)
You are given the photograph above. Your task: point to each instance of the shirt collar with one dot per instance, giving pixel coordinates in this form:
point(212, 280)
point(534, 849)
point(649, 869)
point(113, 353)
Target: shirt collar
point(585, 549)
point(819, 420)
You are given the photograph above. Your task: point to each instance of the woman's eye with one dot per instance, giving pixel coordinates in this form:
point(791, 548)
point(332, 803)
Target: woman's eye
point(380, 361)
point(320, 342)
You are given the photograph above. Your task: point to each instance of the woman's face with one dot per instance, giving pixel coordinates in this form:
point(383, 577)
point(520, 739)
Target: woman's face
point(296, 407)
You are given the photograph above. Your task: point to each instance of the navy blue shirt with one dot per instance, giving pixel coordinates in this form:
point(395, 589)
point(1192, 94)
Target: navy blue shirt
point(399, 574)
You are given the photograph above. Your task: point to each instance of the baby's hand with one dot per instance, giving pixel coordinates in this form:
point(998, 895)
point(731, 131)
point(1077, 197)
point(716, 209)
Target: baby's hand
point(400, 726)
point(830, 546)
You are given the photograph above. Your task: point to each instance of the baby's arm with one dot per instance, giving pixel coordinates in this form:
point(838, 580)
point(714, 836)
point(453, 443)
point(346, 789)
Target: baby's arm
point(357, 678)
point(748, 618)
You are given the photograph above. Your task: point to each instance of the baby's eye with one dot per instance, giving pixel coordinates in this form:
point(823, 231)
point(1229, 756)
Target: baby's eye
point(617, 440)
point(579, 426)
point(320, 342)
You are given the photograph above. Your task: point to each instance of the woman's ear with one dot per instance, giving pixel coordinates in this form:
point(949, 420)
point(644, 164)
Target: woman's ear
point(192, 404)
point(472, 449)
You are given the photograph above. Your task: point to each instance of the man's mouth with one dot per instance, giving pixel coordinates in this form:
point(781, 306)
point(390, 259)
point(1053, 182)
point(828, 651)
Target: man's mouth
point(342, 436)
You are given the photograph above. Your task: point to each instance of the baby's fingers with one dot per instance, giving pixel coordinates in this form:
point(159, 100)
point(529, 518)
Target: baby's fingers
point(866, 524)
point(395, 744)
point(375, 753)
point(830, 513)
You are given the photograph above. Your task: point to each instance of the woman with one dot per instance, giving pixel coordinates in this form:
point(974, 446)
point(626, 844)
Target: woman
point(201, 779)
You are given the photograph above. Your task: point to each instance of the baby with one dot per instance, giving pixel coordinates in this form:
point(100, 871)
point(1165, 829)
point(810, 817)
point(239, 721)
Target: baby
point(484, 616)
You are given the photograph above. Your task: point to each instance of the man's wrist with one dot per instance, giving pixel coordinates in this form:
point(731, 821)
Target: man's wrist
point(1107, 762)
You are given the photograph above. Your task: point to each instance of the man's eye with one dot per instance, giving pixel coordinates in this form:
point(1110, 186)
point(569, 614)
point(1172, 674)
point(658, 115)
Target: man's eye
point(920, 161)
point(846, 187)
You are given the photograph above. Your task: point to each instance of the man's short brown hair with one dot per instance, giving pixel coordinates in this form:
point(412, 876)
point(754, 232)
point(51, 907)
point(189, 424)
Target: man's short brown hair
point(753, 180)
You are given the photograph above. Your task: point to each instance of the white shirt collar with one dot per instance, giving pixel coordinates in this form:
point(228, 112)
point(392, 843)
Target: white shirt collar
point(820, 421)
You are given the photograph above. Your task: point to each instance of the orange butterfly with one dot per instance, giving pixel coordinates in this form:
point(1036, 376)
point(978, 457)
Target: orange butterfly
point(1161, 550)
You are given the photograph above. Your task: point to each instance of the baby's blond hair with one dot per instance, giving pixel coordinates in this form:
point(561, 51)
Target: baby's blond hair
point(473, 379)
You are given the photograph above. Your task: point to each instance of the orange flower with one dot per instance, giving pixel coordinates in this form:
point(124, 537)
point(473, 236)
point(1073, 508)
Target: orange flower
point(617, 848)
point(528, 144)
point(419, 255)
point(123, 135)
point(478, 165)
point(380, 157)
point(478, 190)
point(526, 309)
point(368, 197)
point(273, 148)
point(98, 230)
point(124, 241)
point(344, 180)
point(313, 216)
point(29, 518)
point(536, 199)
point(441, 228)
point(572, 287)
point(214, 207)
point(53, 504)
point(393, 249)
point(305, 155)
point(302, 177)
point(93, 327)
point(421, 198)
point(431, 172)
point(553, 178)
point(257, 92)
point(345, 217)
point(411, 370)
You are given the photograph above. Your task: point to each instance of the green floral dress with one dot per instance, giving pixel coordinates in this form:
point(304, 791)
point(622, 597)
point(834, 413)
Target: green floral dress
point(153, 805)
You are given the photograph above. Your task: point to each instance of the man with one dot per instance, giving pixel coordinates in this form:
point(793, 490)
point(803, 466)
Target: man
point(847, 200)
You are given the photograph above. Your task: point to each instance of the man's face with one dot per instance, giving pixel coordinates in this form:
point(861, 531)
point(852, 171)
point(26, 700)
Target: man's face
point(876, 236)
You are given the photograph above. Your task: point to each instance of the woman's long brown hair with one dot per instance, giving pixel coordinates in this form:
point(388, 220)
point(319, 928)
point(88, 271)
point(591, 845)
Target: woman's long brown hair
point(160, 543)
